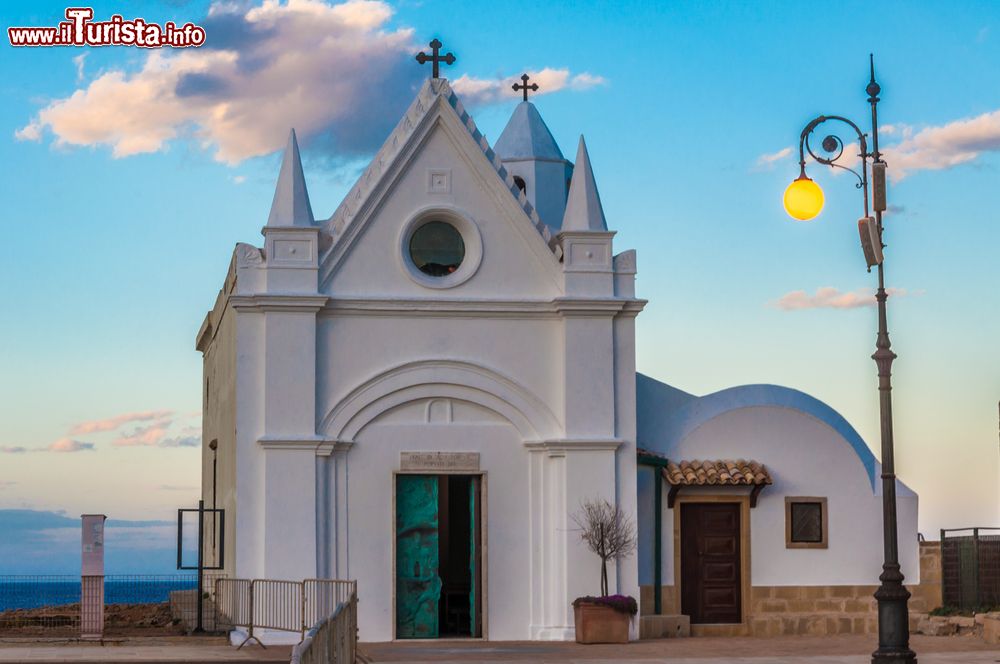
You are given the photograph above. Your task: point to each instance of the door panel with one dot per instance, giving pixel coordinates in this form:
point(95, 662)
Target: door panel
point(710, 562)
point(418, 585)
point(474, 617)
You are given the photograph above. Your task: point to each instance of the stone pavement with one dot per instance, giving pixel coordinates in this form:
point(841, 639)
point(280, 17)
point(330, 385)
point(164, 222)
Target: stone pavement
point(841, 649)
point(161, 650)
point(703, 650)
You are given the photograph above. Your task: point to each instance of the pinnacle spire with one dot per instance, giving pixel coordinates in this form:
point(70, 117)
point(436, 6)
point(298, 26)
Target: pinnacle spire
point(583, 207)
point(290, 206)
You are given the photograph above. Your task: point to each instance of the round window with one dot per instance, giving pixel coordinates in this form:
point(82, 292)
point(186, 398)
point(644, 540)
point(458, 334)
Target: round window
point(437, 248)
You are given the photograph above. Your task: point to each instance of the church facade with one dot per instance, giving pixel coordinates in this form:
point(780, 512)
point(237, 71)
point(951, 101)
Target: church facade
point(419, 391)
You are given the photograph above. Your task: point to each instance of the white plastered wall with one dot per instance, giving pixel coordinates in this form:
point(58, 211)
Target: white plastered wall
point(805, 457)
point(315, 460)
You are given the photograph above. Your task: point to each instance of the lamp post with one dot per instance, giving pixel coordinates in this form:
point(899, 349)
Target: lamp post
point(803, 201)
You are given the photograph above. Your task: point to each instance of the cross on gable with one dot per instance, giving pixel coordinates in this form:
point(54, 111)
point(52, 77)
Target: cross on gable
point(524, 86)
point(435, 59)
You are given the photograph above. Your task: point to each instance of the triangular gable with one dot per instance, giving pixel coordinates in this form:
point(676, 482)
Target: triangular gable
point(363, 198)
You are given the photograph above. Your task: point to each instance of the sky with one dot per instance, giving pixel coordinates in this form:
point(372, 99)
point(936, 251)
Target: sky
point(129, 174)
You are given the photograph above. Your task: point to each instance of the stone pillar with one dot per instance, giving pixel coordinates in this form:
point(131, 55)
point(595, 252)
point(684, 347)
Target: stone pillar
point(92, 576)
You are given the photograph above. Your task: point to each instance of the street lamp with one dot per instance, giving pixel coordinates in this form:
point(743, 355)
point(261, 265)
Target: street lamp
point(803, 200)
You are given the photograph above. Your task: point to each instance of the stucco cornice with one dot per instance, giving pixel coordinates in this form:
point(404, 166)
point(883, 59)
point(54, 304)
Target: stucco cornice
point(320, 445)
point(481, 308)
point(276, 302)
point(633, 307)
point(588, 306)
point(205, 334)
point(575, 445)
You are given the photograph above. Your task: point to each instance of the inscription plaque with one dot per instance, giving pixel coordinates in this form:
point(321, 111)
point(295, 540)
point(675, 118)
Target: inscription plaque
point(439, 461)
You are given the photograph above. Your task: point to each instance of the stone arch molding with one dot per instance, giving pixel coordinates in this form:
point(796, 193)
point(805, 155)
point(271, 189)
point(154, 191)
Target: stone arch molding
point(428, 379)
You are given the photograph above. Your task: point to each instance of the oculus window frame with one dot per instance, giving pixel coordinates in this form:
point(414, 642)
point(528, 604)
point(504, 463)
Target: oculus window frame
point(471, 239)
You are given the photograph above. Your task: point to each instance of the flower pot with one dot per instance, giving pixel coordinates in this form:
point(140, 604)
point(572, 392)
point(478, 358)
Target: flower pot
point(596, 623)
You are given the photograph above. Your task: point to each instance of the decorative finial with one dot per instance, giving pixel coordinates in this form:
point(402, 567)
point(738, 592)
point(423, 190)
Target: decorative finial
point(873, 88)
point(435, 59)
point(524, 86)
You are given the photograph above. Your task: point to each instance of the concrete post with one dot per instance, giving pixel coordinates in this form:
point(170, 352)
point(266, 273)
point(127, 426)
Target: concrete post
point(92, 576)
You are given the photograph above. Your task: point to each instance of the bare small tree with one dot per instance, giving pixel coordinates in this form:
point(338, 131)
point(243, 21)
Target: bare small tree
point(607, 531)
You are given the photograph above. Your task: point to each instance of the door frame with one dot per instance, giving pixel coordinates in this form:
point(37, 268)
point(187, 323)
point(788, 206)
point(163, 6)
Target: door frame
point(484, 589)
point(741, 628)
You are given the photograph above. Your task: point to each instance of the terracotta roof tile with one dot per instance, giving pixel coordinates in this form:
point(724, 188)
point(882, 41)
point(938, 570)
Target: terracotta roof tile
point(722, 471)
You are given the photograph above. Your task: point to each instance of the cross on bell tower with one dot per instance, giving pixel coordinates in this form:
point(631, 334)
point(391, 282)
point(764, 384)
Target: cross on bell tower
point(523, 85)
point(435, 59)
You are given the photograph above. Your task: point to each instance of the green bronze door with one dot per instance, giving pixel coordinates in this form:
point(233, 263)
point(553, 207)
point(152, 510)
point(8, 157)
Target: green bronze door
point(475, 559)
point(418, 584)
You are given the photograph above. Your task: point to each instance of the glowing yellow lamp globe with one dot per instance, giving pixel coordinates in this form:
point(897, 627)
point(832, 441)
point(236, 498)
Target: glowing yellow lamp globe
point(803, 199)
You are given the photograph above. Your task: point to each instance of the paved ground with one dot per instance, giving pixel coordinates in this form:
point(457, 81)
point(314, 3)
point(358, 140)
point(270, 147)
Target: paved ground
point(703, 650)
point(787, 650)
point(167, 650)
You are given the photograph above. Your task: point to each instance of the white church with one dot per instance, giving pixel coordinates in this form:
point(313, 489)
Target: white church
point(419, 391)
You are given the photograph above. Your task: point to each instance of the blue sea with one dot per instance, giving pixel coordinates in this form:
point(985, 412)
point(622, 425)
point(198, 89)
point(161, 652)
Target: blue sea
point(32, 592)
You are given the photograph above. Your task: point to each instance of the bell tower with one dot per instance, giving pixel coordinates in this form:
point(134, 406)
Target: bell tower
point(531, 155)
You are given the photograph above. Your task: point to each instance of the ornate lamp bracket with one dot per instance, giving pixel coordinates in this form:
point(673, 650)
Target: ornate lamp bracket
point(833, 145)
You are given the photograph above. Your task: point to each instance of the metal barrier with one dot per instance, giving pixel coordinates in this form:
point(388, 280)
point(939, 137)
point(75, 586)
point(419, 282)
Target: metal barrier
point(290, 606)
point(233, 602)
point(323, 596)
point(970, 568)
point(278, 605)
point(334, 639)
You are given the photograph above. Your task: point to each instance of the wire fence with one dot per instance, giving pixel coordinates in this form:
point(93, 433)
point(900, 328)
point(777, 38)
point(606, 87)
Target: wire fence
point(970, 568)
point(133, 603)
point(164, 604)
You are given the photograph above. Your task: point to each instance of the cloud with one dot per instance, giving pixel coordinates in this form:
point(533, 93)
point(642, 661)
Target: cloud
point(944, 146)
point(181, 441)
point(113, 423)
point(149, 435)
point(929, 149)
point(155, 435)
point(174, 487)
point(323, 69)
point(79, 61)
point(48, 542)
point(767, 161)
point(70, 445)
point(828, 297)
point(238, 179)
point(6, 484)
point(338, 73)
point(483, 91)
point(849, 158)
point(12, 449)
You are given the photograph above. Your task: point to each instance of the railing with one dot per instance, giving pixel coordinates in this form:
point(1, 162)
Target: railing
point(334, 639)
point(234, 603)
point(153, 604)
point(291, 606)
point(970, 568)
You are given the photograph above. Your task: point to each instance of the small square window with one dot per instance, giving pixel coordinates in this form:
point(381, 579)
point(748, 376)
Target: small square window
point(805, 523)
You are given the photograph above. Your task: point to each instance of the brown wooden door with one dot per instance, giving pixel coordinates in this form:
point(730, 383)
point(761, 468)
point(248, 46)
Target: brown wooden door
point(710, 562)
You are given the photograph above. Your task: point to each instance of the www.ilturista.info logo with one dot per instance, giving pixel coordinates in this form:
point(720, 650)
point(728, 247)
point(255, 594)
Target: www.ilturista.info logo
point(80, 30)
